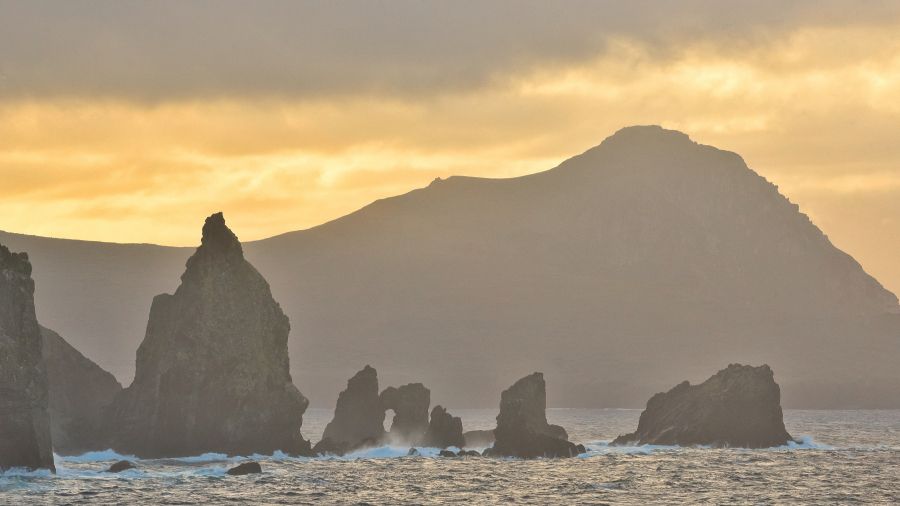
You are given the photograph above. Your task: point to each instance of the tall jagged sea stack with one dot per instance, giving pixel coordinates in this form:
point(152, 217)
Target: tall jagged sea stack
point(212, 372)
point(24, 416)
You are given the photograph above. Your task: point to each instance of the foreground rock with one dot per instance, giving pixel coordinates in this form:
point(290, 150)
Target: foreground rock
point(24, 415)
point(522, 428)
point(118, 467)
point(478, 438)
point(410, 405)
point(444, 430)
point(358, 416)
point(245, 468)
point(212, 372)
point(739, 406)
point(80, 391)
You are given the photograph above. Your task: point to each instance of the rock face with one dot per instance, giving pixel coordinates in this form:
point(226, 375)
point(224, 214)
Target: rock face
point(358, 417)
point(212, 372)
point(24, 415)
point(410, 404)
point(80, 391)
point(444, 430)
point(522, 428)
point(739, 406)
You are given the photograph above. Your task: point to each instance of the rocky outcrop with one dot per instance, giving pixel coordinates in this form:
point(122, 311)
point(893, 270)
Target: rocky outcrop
point(118, 467)
point(444, 430)
point(212, 372)
point(478, 438)
point(244, 469)
point(522, 428)
point(739, 406)
point(410, 405)
point(80, 391)
point(358, 416)
point(24, 415)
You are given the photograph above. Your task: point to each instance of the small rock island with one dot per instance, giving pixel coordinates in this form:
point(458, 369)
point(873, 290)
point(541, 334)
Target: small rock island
point(740, 406)
point(522, 429)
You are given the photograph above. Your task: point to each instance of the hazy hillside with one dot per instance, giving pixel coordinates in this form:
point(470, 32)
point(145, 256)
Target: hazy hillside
point(644, 261)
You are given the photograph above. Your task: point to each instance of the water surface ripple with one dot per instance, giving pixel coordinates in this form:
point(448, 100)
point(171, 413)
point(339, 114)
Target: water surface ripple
point(844, 457)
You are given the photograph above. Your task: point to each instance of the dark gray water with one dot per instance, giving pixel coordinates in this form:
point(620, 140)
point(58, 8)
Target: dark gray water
point(844, 457)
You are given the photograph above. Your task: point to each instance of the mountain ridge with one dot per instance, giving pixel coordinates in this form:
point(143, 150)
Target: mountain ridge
point(641, 249)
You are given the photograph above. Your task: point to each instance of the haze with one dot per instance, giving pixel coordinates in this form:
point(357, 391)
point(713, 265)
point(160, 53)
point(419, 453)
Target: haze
point(131, 121)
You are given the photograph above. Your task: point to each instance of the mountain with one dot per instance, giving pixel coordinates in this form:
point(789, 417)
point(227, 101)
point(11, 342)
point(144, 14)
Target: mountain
point(79, 391)
point(642, 262)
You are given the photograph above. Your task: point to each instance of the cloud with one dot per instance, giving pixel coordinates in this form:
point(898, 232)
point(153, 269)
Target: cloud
point(173, 50)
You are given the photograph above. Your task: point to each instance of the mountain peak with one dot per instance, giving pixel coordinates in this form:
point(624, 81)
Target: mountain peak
point(15, 261)
point(644, 136)
point(217, 236)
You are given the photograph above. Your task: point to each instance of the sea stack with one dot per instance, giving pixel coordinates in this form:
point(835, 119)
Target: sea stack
point(80, 391)
point(740, 406)
point(410, 405)
point(444, 430)
point(358, 416)
point(212, 371)
point(522, 429)
point(24, 415)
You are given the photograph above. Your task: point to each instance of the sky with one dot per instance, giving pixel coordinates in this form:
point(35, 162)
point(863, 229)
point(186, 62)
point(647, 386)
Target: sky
point(131, 121)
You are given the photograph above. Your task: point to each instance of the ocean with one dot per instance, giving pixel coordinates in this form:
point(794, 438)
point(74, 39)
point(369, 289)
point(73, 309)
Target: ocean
point(842, 457)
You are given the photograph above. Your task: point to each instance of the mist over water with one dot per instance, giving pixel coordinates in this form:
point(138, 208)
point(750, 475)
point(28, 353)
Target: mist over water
point(842, 457)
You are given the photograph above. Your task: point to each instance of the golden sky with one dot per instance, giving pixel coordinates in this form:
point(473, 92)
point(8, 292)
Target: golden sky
point(130, 122)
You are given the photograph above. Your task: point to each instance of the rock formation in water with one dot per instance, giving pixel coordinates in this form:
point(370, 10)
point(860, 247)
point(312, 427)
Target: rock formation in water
point(24, 415)
point(739, 406)
point(358, 416)
point(80, 391)
point(244, 469)
point(118, 467)
point(522, 428)
point(212, 372)
point(478, 438)
point(410, 405)
point(444, 430)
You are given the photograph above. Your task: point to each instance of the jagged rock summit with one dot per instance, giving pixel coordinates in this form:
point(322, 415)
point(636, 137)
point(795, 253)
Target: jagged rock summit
point(358, 416)
point(80, 391)
point(739, 406)
point(24, 415)
point(522, 428)
point(212, 372)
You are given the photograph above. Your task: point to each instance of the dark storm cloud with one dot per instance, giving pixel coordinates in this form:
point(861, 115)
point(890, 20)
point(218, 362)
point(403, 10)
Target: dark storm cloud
point(165, 50)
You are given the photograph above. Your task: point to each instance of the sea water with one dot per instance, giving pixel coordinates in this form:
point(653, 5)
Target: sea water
point(841, 457)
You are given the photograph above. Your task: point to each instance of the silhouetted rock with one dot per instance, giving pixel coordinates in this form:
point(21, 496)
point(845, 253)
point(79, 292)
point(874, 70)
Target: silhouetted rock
point(478, 438)
point(444, 430)
point(739, 406)
point(447, 453)
point(468, 453)
point(410, 404)
point(245, 468)
point(80, 391)
point(24, 414)
point(120, 466)
point(212, 372)
point(522, 428)
point(358, 416)
point(413, 452)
